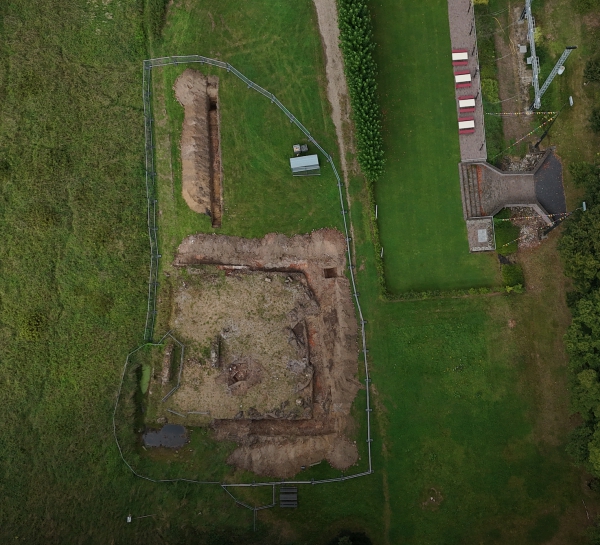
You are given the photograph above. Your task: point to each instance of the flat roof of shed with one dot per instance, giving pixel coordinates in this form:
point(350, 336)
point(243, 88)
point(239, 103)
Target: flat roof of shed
point(305, 162)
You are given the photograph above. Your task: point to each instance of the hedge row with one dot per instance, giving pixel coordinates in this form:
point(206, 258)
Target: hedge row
point(356, 41)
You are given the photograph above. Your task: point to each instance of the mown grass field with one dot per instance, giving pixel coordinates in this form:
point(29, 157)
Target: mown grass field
point(420, 213)
point(73, 270)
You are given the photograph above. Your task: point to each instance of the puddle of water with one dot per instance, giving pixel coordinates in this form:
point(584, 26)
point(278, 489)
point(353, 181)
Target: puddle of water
point(171, 435)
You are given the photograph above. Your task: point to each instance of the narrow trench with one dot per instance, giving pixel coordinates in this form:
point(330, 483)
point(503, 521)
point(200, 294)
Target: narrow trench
point(216, 189)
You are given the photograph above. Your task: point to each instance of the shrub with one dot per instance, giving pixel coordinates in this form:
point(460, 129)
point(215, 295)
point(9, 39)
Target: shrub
point(350, 538)
point(506, 233)
point(595, 120)
point(383, 291)
point(585, 6)
point(592, 70)
point(489, 89)
point(356, 40)
point(33, 327)
point(512, 275)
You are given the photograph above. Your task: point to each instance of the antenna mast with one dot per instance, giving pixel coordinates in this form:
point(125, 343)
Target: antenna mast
point(535, 61)
point(556, 69)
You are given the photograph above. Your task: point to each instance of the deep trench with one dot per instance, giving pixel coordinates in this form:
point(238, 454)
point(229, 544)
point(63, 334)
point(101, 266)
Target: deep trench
point(216, 189)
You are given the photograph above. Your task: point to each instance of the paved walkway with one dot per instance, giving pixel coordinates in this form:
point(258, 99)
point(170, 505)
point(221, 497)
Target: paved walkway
point(463, 36)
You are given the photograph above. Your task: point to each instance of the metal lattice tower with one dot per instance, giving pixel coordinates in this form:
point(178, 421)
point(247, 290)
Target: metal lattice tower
point(557, 66)
point(535, 61)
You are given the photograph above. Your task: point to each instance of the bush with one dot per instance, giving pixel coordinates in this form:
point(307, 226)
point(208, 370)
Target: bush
point(33, 327)
point(512, 276)
point(585, 6)
point(592, 70)
point(489, 89)
point(356, 40)
point(383, 291)
point(595, 120)
point(350, 538)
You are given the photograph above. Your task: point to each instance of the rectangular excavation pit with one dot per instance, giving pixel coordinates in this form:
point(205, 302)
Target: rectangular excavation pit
point(331, 272)
point(200, 144)
point(247, 350)
point(271, 348)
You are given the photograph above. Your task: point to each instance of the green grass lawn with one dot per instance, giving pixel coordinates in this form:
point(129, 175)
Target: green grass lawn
point(420, 213)
point(456, 420)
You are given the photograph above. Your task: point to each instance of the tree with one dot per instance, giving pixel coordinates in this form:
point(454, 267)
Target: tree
point(592, 70)
point(595, 120)
point(587, 176)
point(580, 250)
point(583, 337)
point(579, 440)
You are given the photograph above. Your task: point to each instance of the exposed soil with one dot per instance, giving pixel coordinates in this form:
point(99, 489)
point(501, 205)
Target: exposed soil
point(277, 319)
point(514, 75)
point(337, 88)
point(200, 143)
point(246, 344)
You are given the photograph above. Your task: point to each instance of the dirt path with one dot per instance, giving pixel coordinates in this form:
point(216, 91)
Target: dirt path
point(337, 91)
point(514, 77)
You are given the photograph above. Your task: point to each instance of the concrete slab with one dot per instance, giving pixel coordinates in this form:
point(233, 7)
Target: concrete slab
point(480, 232)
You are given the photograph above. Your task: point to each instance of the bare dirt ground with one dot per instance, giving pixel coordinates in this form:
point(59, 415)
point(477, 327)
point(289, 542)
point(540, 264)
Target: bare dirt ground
point(247, 353)
point(514, 76)
point(337, 88)
point(261, 290)
point(200, 143)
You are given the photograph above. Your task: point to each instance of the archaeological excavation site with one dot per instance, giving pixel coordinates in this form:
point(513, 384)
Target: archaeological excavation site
point(200, 143)
point(270, 350)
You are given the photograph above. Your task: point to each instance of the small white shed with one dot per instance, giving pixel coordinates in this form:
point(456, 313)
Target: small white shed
point(305, 165)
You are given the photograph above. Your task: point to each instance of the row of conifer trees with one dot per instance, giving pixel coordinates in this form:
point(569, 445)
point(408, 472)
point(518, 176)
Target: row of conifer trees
point(356, 40)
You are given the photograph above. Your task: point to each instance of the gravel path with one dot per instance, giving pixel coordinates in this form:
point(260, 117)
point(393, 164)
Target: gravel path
point(463, 36)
